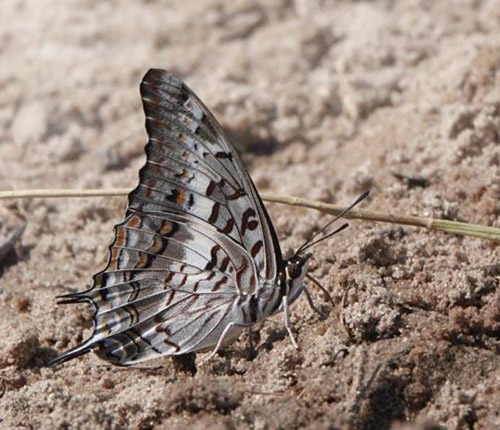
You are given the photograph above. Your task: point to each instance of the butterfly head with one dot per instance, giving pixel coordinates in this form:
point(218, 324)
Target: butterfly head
point(296, 266)
point(295, 271)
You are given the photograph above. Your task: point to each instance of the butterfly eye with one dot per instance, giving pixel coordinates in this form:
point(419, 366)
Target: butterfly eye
point(294, 270)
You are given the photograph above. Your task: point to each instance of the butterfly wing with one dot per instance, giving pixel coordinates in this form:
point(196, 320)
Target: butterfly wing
point(195, 238)
point(171, 286)
point(192, 168)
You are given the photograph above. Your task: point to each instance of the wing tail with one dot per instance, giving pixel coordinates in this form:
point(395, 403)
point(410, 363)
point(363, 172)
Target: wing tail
point(72, 353)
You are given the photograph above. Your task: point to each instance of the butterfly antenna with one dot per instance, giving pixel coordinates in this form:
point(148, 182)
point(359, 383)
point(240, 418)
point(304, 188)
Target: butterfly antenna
point(338, 230)
point(308, 244)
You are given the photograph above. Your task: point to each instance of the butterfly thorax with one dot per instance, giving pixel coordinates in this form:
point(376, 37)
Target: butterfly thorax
point(268, 299)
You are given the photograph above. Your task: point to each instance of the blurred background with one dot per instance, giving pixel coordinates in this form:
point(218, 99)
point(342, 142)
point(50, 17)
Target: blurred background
point(324, 99)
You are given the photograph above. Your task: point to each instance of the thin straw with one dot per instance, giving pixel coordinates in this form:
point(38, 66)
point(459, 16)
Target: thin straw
point(455, 227)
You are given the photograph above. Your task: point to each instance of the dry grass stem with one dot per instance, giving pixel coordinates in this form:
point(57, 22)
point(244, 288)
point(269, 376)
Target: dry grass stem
point(455, 227)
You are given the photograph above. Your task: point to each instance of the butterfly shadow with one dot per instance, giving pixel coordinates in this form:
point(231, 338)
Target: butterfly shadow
point(12, 251)
point(248, 142)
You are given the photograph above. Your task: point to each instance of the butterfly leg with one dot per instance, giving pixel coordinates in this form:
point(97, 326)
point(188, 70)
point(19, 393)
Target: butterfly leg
point(252, 352)
point(250, 340)
point(286, 312)
point(312, 305)
point(220, 342)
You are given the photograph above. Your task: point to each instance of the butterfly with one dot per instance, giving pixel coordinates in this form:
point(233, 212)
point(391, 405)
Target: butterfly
point(196, 259)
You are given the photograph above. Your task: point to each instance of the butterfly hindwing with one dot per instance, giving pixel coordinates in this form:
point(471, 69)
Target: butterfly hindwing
point(187, 323)
point(171, 286)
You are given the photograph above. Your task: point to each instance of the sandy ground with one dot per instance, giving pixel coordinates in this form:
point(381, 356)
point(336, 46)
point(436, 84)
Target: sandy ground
point(324, 99)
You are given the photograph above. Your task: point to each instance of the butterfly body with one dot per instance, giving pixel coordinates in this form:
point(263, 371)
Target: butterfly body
point(196, 259)
point(268, 300)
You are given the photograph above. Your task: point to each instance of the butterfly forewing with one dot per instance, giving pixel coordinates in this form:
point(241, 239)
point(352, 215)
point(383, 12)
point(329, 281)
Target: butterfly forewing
point(192, 168)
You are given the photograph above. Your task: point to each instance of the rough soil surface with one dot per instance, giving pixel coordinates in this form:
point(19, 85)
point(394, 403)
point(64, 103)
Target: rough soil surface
point(324, 99)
